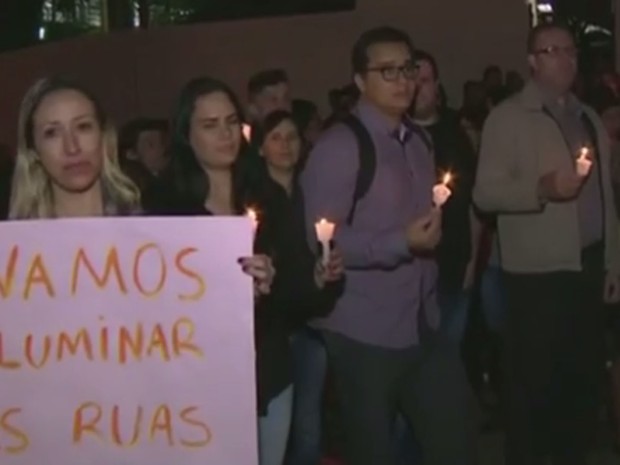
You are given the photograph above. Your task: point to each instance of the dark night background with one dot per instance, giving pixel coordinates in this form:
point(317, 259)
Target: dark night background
point(21, 20)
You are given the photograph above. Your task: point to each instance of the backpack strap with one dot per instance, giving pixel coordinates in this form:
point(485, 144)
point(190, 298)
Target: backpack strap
point(367, 162)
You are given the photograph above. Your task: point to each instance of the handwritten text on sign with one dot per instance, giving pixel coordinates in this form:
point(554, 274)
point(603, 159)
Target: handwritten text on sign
point(126, 341)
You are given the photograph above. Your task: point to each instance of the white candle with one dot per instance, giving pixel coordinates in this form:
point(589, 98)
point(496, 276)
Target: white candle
point(252, 215)
point(441, 191)
point(583, 163)
point(246, 129)
point(325, 233)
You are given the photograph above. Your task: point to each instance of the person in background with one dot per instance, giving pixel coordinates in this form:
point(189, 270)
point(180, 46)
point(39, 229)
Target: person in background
point(209, 176)
point(379, 335)
point(493, 81)
point(308, 119)
point(608, 108)
point(560, 253)
point(514, 83)
point(280, 148)
point(610, 80)
point(268, 91)
point(341, 102)
point(458, 249)
point(444, 105)
point(143, 155)
point(476, 105)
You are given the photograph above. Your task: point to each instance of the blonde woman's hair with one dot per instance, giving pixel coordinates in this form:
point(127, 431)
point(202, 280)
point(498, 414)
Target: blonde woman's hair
point(31, 192)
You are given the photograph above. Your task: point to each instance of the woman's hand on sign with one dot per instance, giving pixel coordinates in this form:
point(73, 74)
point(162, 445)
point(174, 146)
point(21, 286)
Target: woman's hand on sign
point(331, 271)
point(259, 267)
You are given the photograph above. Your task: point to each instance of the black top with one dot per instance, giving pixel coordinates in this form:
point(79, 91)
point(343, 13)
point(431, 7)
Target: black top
point(454, 152)
point(294, 296)
point(6, 173)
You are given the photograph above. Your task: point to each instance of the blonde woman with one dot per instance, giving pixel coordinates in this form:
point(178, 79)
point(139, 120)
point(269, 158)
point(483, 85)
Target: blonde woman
point(67, 164)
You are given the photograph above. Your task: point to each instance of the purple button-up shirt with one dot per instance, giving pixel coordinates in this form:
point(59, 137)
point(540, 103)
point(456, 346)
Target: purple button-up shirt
point(386, 285)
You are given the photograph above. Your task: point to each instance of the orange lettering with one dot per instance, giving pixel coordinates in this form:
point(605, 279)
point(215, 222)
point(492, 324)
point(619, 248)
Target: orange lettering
point(135, 344)
point(6, 283)
point(186, 343)
point(116, 427)
point(111, 267)
point(22, 439)
point(136, 270)
point(37, 274)
point(200, 291)
point(162, 420)
point(80, 427)
point(47, 344)
point(158, 341)
point(7, 364)
point(186, 416)
point(104, 341)
point(81, 338)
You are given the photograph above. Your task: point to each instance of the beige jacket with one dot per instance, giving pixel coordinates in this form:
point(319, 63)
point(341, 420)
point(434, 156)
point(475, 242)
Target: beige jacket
point(520, 143)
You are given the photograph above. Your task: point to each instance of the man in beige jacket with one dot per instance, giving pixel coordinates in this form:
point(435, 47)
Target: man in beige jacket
point(560, 246)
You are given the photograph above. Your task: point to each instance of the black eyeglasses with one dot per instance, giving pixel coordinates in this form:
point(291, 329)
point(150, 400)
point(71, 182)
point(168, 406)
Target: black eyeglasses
point(555, 51)
point(390, 73)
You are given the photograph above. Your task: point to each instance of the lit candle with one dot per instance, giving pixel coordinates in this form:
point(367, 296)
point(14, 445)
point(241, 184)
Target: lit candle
point(441, 191)
point(325, 233)
point(252, 215)
point(246, 129)
point(583, 163)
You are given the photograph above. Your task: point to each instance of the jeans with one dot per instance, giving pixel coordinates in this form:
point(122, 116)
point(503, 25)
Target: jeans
point(426, 383)
point(493, 298)
point(408, 450)
point(453, 306)
point(273, 429)
point(309, 371)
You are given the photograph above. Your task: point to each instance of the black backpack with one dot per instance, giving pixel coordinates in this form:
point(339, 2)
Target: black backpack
point(368, 159)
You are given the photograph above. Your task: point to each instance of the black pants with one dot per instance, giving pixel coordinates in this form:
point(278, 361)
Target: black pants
point(554, 363)
point(428, 385)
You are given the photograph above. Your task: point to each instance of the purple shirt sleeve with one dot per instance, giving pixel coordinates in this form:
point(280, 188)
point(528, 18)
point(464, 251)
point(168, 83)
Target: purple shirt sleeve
point(328, 184)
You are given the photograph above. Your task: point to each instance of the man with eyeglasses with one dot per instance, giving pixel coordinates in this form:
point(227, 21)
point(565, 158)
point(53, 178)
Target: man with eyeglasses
point(560, 255)
point(381, 337)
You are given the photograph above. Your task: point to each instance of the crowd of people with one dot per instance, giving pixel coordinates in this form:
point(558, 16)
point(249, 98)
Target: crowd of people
point(527, 236)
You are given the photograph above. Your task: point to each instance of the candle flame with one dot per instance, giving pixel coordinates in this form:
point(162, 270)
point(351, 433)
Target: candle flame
point(246, 129)
point(584, 154)
point(251, 213)
point(447, 177)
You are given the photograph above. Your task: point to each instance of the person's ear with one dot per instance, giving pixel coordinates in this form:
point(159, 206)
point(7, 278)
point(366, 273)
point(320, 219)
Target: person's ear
point(359, 82)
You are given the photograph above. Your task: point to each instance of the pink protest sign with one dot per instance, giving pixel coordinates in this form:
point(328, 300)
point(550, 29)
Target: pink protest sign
point(126, 341)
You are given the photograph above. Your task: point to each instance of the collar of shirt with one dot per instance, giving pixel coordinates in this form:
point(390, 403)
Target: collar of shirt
point(571, 105)
point(374, 120)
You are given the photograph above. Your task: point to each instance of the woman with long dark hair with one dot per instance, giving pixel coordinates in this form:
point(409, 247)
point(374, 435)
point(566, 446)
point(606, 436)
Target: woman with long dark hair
point(210, 175)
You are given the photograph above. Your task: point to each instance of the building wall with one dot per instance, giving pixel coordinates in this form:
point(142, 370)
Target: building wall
point(139, 72)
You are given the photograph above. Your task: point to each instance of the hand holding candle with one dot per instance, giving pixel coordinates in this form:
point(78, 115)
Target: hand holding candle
point(325, 233)
point(441, 191)
point(583, 164)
